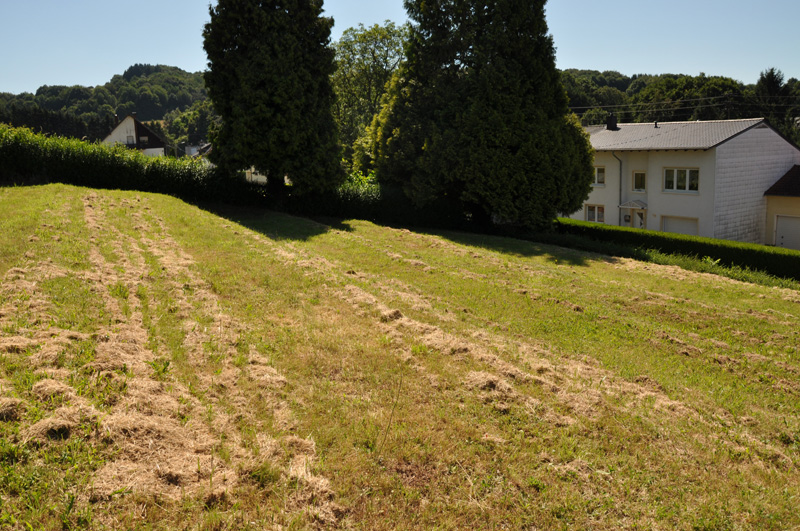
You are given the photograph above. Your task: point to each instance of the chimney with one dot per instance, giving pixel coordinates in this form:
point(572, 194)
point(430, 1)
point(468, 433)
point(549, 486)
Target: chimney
point(656, 125)
point(611, 123)
point(116, 120)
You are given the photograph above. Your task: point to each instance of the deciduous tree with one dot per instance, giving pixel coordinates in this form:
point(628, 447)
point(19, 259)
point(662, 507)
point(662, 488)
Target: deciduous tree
point(366, 58)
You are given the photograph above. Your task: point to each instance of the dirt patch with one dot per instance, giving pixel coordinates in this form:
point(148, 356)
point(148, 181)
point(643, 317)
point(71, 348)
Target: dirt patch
point(16, 345)
point(671, 271)
point(49, 429)
point(391, 315)
point(48, 390)
point(484, 381)
point(11, 409)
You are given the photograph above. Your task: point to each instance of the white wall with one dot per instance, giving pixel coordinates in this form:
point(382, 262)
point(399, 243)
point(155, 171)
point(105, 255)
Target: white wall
point(699, 205)
point(746, 167)
point(120, 134)
point(604, 195)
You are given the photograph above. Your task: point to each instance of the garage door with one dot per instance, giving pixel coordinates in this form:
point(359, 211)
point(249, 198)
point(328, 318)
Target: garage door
point(787, 232)
point(679, 225)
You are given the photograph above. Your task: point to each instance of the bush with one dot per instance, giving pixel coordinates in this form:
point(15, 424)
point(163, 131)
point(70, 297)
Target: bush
point(34, 158)
point(362, 197)
point(777, 261)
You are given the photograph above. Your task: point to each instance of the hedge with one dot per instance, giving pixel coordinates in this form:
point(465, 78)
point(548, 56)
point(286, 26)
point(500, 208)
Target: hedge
point(34, 158)
point(776, 261)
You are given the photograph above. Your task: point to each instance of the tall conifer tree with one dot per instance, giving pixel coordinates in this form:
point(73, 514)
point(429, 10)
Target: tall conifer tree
point(269, 79)
point(478, 112)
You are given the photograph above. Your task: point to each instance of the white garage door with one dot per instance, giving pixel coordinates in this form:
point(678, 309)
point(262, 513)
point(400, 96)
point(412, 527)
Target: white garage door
point(787, 232)
point(679, 225)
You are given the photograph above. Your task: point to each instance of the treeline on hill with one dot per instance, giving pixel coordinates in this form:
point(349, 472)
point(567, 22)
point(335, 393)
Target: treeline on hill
point(677, 97)
point(173, 100)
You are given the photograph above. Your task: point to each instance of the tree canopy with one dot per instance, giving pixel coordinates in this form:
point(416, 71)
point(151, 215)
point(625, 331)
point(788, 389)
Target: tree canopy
point(269, 80)
point(366, 59)
point(478, 114)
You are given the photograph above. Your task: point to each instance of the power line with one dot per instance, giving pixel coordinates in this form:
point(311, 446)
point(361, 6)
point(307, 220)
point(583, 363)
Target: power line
point(644, 104)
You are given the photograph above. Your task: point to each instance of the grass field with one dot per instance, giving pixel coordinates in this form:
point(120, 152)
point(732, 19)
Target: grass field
point(168, 367)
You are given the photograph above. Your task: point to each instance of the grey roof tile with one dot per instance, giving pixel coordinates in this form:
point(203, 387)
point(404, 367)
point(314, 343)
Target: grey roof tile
point(668, 135)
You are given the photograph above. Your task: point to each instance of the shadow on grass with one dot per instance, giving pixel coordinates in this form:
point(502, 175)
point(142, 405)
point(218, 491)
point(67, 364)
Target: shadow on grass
point(521, 246)
point(272, 224)
point(282, 226)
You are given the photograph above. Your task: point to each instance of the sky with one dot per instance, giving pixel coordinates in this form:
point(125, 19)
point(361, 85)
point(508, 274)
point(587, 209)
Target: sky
point(86, 42)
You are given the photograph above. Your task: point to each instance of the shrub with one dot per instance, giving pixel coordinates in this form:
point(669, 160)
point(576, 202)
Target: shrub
point(777, 261)
point(362, 197)
point(35, 158)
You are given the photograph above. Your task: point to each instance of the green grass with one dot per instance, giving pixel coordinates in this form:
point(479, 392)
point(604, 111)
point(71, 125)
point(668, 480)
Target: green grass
point(444, 380)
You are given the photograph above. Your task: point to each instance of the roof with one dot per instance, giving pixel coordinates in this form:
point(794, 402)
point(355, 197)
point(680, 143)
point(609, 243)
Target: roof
point(788, 185)
point(154, 140)
point(676, 136)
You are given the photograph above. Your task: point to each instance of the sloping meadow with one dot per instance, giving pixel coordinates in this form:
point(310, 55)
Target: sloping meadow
point(163, 366)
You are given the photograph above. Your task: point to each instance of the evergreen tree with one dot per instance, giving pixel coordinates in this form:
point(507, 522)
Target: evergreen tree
point(478, 113)
point(269, 80)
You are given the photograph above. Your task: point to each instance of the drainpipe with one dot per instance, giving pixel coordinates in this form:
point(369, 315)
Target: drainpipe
point(619, 210)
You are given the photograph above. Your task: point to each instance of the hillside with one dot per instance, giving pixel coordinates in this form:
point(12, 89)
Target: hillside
point(152, 91)
point(164, 366)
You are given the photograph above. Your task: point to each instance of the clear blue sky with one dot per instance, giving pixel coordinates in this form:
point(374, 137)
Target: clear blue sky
point(85, 42)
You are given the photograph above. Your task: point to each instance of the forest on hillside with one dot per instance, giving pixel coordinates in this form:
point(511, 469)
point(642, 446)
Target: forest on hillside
point(677, 97)
point(154, 92)
point(175, 102)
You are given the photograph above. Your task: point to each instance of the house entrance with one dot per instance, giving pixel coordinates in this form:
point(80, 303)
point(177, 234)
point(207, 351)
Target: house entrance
point(639, 219)
point(634, 214)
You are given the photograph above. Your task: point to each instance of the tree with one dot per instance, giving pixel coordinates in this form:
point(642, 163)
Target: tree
point(772, 99)
point(478, 114)
point(269, 80)
point(671, 97)
point(366, 58)
point(192, 126)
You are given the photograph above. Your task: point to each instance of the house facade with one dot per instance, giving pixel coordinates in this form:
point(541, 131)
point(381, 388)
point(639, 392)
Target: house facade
point(134, 134)
point(700, 178)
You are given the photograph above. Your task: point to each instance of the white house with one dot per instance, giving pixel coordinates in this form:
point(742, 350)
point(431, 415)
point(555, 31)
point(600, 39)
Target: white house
point(134, 134)
point(701, 178)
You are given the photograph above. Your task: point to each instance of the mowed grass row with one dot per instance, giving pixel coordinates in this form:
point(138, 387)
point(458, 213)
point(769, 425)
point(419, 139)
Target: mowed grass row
point(490, 426)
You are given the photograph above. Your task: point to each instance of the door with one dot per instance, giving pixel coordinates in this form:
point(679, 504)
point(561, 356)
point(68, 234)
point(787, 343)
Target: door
point(787, 232)
point(639, 219)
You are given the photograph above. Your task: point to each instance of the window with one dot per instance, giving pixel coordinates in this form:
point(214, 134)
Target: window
point(596, 213)
point(682, 179)
point(639, 181)
point(143, 139)
point(130, 140)
point(599, 175)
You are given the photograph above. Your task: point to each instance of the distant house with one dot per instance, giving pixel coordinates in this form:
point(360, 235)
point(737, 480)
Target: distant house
point(701, 178)
point(134, 134)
